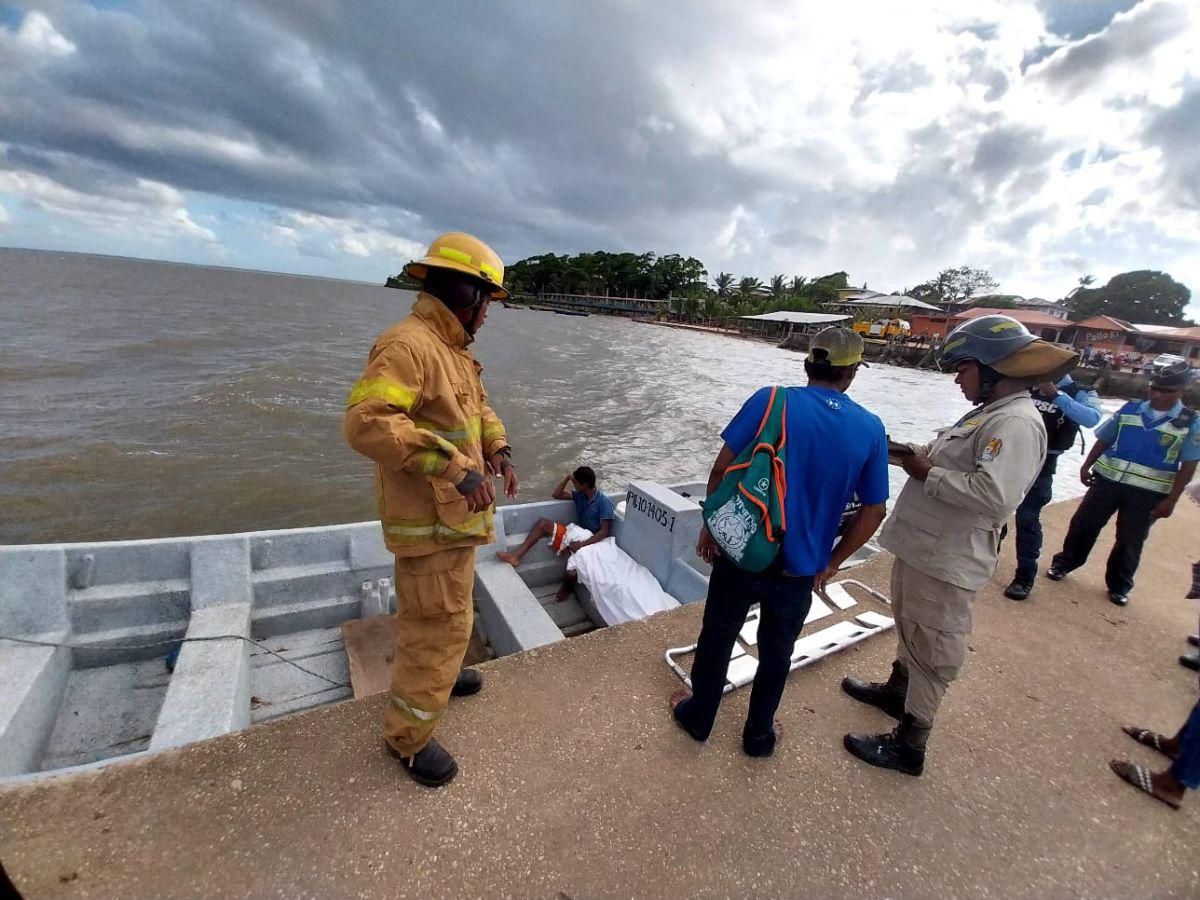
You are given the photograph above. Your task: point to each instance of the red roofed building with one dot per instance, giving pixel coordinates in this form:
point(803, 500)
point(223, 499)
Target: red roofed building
point(1104, 333)
point(1118, 336)
point(1041, 324)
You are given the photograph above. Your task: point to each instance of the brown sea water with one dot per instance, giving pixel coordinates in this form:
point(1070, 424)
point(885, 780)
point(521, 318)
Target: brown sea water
point(142, 399)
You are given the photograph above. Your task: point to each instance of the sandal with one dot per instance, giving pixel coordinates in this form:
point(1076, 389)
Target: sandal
point(1148, 738)
point(1140, 778)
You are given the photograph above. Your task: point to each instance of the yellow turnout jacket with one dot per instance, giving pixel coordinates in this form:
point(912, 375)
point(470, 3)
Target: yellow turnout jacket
point(420, 412)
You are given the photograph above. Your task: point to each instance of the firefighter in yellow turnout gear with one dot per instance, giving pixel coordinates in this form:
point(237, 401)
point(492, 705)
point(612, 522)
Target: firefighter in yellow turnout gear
point(421, 414)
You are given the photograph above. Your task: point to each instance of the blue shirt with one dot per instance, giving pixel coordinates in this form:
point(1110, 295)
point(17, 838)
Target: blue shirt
point(1152, 418)
point(835, 449)
point(591, 513)
point(1083, 409)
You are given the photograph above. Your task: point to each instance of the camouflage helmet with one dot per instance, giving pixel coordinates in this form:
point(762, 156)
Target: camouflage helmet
point(1004, 344)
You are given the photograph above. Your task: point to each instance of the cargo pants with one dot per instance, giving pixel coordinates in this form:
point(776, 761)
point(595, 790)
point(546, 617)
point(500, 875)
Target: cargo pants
point(932, 655)
point(434, 615)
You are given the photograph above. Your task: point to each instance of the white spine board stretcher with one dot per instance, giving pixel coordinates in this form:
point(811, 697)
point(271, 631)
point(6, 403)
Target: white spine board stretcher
point(809, 648)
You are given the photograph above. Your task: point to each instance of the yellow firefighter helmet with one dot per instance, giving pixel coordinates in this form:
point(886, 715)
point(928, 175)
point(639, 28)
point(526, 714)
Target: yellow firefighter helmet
point(464, 253)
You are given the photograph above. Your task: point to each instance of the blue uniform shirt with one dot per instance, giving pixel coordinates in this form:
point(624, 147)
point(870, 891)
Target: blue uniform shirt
point(1151, 418)
point(591, 513)
point(1083, 409)
point(835, 449)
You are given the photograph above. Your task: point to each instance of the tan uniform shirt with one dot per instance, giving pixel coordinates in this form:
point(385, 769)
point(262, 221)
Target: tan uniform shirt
point(948, 527)
point(420, 412)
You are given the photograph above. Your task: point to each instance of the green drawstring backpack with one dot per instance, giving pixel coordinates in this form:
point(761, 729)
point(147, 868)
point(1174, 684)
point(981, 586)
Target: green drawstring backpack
point(745, 513)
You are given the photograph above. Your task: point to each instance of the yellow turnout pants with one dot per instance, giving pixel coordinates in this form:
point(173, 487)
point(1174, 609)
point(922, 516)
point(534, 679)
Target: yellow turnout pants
point(434, 613)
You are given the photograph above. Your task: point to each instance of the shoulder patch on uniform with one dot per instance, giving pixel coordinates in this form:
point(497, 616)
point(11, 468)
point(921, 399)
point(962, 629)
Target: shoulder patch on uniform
point(971, 423)
point(991, 450)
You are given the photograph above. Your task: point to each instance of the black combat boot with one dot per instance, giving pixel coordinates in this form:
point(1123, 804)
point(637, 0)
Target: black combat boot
point(432, 765)
point(1018, 589)
point(902, 749)
point(887, 695)
point(468, 682)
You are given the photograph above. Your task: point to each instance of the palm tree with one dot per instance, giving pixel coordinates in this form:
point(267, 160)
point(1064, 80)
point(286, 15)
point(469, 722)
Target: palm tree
point(778, 283)
point(748, 289)
point(724, 282)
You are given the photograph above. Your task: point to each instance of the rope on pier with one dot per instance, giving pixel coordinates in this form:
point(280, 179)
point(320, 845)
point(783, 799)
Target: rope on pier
point(185, 640)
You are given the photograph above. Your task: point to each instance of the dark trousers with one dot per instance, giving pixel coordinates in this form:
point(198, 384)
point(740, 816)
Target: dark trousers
point(1029, 521)
point(784, 603)
point(1133, 506)
point(1187, 765)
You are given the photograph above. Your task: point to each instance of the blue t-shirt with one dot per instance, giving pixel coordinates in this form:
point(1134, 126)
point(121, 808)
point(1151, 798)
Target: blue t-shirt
point(590, 513)
point(835, 449)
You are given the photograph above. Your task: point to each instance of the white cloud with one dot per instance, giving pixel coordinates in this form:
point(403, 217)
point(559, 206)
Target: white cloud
point(37, 36)
point(326, 236)
point(149, 208)
point(885, 139)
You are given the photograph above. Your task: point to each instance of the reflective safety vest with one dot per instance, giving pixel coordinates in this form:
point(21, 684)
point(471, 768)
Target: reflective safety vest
point(1145, 457)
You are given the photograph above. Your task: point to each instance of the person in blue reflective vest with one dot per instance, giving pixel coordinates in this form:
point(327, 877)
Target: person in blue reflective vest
point(1143, 458)
point(1065, 407)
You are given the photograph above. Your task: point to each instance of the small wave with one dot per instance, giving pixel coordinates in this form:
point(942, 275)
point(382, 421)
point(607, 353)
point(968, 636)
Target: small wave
point(12, 374)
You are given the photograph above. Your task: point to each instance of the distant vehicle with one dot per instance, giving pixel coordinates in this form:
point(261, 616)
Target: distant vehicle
point(1165, 359)
point(882, 328)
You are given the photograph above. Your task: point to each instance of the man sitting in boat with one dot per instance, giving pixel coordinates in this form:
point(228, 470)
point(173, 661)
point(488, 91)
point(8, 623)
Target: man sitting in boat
point(594, 513)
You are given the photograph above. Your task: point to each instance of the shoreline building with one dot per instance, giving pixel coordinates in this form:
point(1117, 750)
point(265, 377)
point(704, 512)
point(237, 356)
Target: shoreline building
point(1107, 333)
point(1049, 327)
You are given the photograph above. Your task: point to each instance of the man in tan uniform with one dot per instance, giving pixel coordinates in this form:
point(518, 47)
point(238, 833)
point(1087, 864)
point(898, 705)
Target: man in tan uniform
point(946, 528)
point(420, 412)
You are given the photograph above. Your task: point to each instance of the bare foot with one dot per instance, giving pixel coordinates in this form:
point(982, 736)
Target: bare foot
point(564, 594)
point(511, 558)
point(678, 697)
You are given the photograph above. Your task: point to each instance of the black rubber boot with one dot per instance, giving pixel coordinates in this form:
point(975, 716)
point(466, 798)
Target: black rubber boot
point(468, 682)
point(432, 765)
point(887, 695)
point(902, 749)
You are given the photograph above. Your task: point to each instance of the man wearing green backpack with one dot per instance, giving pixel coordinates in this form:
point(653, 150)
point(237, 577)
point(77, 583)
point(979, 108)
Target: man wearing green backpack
point(828, 449)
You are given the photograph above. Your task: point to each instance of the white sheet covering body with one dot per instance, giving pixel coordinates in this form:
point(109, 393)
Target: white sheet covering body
point(621, 588)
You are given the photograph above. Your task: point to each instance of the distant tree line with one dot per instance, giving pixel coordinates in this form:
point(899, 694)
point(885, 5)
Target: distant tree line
point(681, 278)
point(611, 274)
point(954, 286)
point(1146, 297)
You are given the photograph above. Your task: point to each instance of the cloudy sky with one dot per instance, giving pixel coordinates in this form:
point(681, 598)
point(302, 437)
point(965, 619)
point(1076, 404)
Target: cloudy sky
point(1040, 139)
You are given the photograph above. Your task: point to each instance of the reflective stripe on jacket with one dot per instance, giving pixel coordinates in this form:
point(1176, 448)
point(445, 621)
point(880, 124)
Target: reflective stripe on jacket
point(420, 412)
point(1143, 457)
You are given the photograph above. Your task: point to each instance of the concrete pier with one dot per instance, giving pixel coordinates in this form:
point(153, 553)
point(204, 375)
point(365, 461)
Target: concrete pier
point(575, 782)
